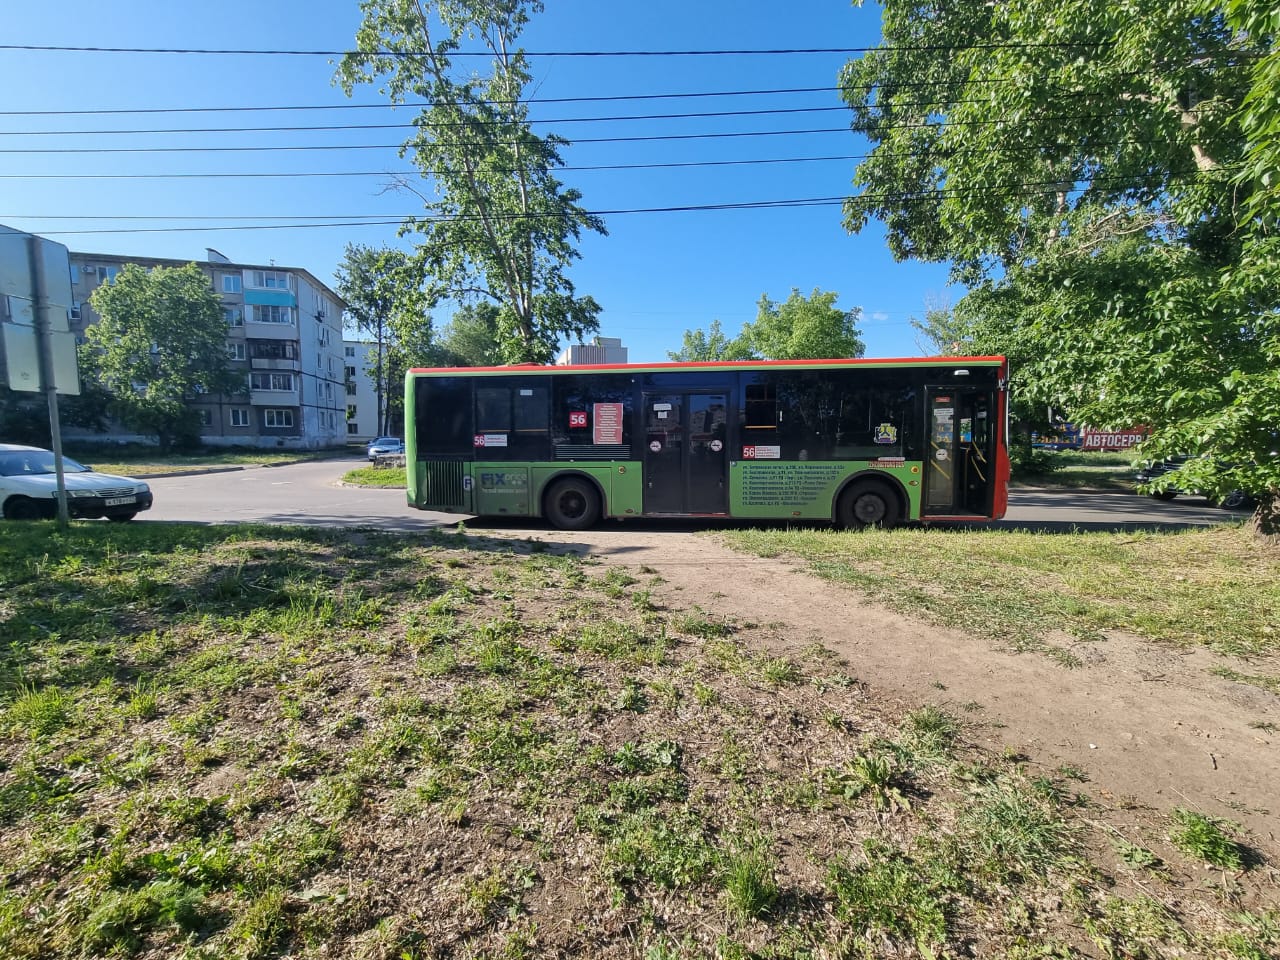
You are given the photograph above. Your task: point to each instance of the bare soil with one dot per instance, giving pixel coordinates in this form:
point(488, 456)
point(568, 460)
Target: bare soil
point(1147, 724)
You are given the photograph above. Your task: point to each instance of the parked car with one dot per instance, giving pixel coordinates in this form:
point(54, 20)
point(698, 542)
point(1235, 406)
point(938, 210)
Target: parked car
point(1152, 470)
point(385, 446)
point(29, 488)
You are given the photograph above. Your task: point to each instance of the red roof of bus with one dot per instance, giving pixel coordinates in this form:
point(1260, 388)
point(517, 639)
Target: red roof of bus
point(689, 364)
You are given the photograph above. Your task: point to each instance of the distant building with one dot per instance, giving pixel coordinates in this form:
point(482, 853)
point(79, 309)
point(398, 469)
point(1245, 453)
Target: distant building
point(284, 332)
point(599, 350)
point(360, 357)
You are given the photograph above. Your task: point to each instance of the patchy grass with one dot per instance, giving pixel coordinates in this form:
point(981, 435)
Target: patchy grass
point(1077, 470)
point(259, 742)
point(1215, 587)
point(136, 459)
point(375, 477)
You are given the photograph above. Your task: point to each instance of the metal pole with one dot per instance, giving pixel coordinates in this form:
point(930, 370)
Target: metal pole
point(44, 350)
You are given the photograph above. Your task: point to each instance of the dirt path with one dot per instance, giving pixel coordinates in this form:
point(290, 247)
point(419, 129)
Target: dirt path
point(1145, 723)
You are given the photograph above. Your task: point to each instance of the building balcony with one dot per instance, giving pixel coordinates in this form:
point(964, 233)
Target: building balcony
point(270, 331)
point(273, 398)
point(274, 363)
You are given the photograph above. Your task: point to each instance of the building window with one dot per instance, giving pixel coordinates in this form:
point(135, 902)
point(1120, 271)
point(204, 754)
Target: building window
point(328, 390)
point(275, 350)
point(206, 417)
point(235, 351)
point(75, 312)
point(353, 428)
point(270, 313)
point(239, 417)
point(271, 381)
point(231, 283)
point(277, 418)
point(351, 389)
point(350, 373)
point(107, 274)
point(349, 351)
point(234, 316)
point(270, 280)
point(351, 411)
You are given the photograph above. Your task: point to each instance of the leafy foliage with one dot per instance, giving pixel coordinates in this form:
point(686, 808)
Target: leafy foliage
point(161, 340)
point(383, 291)
point(499, 227)
point(799, 328)
point(1079, 166)
point(472, 337)
point(710, 344)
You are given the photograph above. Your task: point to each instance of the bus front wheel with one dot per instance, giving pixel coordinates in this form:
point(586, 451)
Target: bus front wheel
point(867, 505)
point(572, 504)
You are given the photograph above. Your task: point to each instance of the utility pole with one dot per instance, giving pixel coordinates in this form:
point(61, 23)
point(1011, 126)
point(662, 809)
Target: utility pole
point(44, 350)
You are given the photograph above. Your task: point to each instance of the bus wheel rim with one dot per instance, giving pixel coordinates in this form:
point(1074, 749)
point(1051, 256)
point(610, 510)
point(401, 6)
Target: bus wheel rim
point(869, 509)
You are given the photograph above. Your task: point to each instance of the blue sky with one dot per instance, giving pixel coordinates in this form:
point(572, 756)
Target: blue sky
point(656, 274)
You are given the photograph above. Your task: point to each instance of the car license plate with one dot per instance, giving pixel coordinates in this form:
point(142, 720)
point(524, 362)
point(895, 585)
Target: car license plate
point(118, 501)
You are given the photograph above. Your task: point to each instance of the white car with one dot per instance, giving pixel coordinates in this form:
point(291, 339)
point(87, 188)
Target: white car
point(385, 446)
point(29, 488)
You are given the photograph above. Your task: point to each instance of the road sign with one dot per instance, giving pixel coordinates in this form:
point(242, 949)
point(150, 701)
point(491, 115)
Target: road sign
point(23, 257)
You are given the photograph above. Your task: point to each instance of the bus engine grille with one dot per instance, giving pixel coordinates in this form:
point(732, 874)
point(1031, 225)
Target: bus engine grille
point(443, 486)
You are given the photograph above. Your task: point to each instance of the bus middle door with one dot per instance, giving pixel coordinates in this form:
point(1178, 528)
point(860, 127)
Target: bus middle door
point(686, 453)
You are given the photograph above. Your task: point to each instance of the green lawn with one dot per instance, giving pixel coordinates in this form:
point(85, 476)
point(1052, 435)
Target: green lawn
point(257, 742)
point(134, 460)
point(1077, 469)
point(375, 477)
point(1216, 587)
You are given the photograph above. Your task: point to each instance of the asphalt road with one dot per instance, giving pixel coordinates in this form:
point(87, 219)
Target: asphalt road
point(311, 493)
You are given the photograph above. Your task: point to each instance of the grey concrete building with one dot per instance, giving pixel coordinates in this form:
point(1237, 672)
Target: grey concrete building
point(284, 332)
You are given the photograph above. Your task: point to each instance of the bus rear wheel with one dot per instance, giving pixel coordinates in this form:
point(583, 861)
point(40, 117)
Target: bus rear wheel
point(867, 505)
point(572, 504)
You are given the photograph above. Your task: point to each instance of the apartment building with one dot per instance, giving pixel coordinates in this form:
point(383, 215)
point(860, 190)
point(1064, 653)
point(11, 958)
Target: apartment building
point(284, 332)
point(360, 358)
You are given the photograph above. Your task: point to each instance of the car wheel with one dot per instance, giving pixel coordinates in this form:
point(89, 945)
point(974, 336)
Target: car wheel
point(1165, 494)
point(121, 517)
point(868, 505)
point(572, 504)
point(22, 508)
point(1234, 500)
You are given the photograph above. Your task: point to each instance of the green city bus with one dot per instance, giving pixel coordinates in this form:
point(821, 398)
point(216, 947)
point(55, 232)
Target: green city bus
point(859, 442)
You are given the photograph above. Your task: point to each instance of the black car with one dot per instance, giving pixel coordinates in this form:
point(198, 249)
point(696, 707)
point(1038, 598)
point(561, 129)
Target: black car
point(1235, 500)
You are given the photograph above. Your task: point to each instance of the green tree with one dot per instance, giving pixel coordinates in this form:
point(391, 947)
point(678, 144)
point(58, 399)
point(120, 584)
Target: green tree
point(471, 338)
point(160, 341)
point(385, 298)
point(499, 227)
point(803, 328)
point(711, 344)
point(939, 333)
point(1077, 164)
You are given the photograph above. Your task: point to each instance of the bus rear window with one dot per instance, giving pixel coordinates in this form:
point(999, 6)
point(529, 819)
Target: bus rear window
point(444, 416)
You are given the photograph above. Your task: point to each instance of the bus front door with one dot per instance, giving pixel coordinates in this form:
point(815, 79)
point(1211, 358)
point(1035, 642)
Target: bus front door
point(961, 456)
point(686, 453)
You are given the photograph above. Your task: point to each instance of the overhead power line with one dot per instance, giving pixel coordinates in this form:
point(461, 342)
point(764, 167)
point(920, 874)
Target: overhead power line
point(576, 141)
point(409, 124)
point(569, 168)
point(1008, 190)
point(616, 98)
point(794, 51)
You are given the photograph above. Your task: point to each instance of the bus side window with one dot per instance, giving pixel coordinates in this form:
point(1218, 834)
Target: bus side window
point(761, 406)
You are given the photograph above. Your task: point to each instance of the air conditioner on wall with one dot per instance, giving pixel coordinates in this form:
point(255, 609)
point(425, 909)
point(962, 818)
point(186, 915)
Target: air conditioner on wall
point(88, 268)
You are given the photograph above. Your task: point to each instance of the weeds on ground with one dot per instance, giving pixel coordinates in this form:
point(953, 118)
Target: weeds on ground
point(255, 742)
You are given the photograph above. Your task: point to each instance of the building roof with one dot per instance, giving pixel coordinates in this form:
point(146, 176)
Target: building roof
point(212, 264)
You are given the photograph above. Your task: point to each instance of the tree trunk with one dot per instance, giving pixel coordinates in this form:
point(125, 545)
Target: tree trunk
point(1266, 519)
